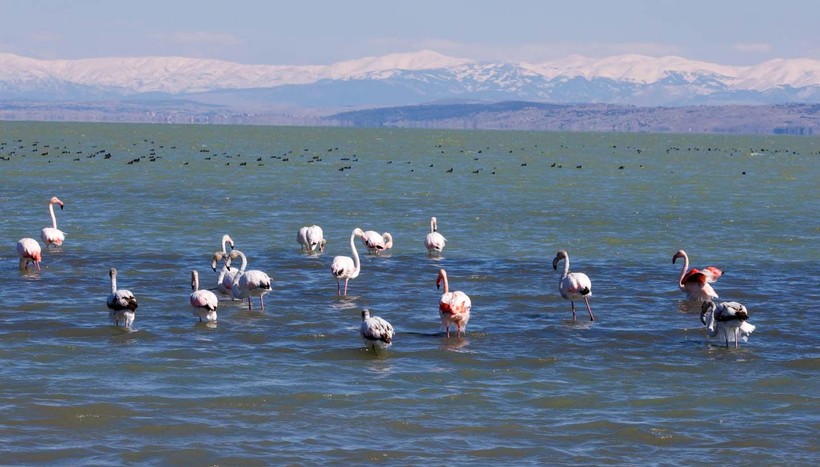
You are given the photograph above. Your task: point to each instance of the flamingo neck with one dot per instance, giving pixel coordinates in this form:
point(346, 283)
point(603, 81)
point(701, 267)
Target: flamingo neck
point(566, 267)
point(356, 264)
point(388, 240)
point(241, 269)
point(113, 283)
point(433, 226)
point(195, 281)
point(446, 284)
point(53, 217)
point(683, 271)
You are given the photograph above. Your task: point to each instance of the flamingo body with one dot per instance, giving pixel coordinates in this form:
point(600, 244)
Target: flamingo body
point(345, 267)
point(52, 235)
point(122, 303)
point(695, 283)
point(454, 307)
point(204, 302)
point(224, 282)
point(573, 285)
point(434, 242)
point(727, 320)
point(30, 253)
point(312, 239)
point(376, 332)
point(376, 243)
point(247, 284)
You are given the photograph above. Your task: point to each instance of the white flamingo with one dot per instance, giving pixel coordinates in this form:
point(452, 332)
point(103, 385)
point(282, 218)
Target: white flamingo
point(727, 320)
point(345, 267)
point(454, 307)
point(53, 235)
point(377, 243)
point(247, 284)
point(573, 285)
point(204, 302)
point(376, 332)
point(434, 242)
point(312, 239)
point(121, 303)
point(226, 275)
point(30, 252)
point(695, 283)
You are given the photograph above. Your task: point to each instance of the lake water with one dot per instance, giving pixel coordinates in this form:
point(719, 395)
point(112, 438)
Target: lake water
point(640, 385)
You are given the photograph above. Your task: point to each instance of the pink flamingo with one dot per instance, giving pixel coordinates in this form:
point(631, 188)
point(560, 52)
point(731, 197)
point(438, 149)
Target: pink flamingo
point(454, 307)
point(203, 301)
point(29, 251)
point(311, 239)
point(345, 267)
point(694, 282)
point(573, 285)
point(249, 283)
point(121, 303)
point(53, 235)
point(225, 280)
point(376, 243)
point(434, 242)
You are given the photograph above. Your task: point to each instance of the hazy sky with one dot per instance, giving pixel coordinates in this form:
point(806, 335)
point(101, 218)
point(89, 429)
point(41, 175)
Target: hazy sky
point(300, 32)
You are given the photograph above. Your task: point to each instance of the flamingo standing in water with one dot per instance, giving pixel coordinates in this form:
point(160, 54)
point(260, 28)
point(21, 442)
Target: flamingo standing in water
point(454, 307)
point(573, 285)
point(204, 302)
point(728, 320)
point(249, 283)
point(376, 332)
point(225, 280)
point(29, 251)
point(53, 235)
point(434, 242)
point(345, 267)
point(121, 303)
point(695, 283)
point(376, 243)
point(311, 239)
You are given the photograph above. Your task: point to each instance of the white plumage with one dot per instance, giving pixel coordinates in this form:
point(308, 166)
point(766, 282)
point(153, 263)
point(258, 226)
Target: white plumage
point(345, 267)
point(204, 302)
point(224, 282)
point(573, 285)
point(247, 284)
point(121, 303)
point(376, 332)
point(30, 252)
point(312, 239)
point(375, 242)
point(53, 235)
point(727, 320)
point(434, 242)
point(453, 307)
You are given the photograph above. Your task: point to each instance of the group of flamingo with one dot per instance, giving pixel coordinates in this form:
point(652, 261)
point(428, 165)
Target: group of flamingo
point(727, 319)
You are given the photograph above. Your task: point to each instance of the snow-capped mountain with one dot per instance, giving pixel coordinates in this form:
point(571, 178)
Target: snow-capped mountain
point(412, 78)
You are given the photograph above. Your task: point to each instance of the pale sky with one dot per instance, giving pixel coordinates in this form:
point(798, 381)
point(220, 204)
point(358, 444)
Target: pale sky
point(305, 32)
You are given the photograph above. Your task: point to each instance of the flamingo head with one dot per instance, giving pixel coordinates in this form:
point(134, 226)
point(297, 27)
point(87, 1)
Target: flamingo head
point(706, 307)
point(218, 256)
point(56, 200)
point(679, 254)
point(562, 254)
point(365, 314)
point(442, 276)
point(358, 232)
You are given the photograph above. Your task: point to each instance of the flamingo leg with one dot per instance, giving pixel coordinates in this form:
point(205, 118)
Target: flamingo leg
point(249, 303)
point(346, 287)
point(586, 300)
point(262, 301)
point(573, 309)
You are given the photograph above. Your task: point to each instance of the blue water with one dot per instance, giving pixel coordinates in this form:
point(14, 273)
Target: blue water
point(641, 385)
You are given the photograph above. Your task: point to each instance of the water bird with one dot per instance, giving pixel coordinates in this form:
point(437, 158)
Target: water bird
point(53, 235)
point(204, 302)
point(695, 283)
point(312, 239)
point(29, 251)
point(376, 243)
point(376, 332)
point(224, 282)
point(345, 267)
point(453, 307)
point(573, 285)
point(247, 284)
point(434, 242)
point(121, 303)
point(727, 320)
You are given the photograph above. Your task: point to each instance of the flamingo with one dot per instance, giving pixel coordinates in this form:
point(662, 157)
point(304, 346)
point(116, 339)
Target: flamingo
point(376, 243)
point(204, 302)
point(376, 332)
point(573, 285)
point(454, 307)
point(225, 280)
point(122, 303)
point(695, 283)
point(311, 239)
point(728, 319)
point(434, 242)
point(249, 283)
point(345, 267)
point(53, 235)
point(29, 251)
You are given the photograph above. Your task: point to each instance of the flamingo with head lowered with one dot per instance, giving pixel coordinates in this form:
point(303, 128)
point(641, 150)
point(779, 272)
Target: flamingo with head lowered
point(377, 243)
point(311, 239)
point(345, 267)
point(30, 252)
point(727, 320)
point(695, 283)
point(573, 285)
point(434, 242)
point(53, 235)
point(453, 307)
